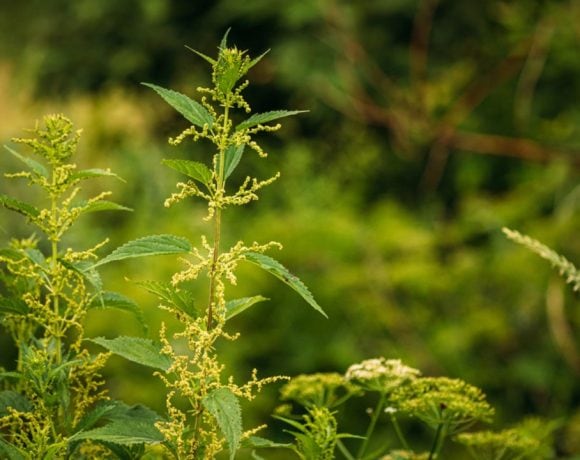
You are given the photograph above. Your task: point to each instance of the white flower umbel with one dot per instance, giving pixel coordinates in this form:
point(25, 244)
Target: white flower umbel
point(380, 374)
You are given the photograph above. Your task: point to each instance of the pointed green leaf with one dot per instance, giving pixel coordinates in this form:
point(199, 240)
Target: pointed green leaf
point(19, 206)
point(193, 111)
point(13, 306)
point(193, 169)
point(279, 271)
point(120, 302)
point(11, 451)
point(125, 432)
point(232, 155)
point(203, 56)
point(260, 118)
point(224, 41)
point(14, 400)
point(236, 306)
point(225, 408)
point(254, 61)
point(181, 299)
point(115, 411)
point(135, 349)
point(102, 205)
point(37, 167)
point(262, 443)
point(95, 172)
point(86, 270)
point(152, 245)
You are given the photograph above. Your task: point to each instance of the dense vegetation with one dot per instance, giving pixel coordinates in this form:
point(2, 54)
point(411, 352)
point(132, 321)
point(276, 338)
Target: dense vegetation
point(431, 126)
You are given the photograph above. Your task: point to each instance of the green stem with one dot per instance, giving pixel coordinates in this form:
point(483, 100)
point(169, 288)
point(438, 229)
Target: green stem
point(372, 425)
point(217, 218)
point(54, 261)
point(398, 431)
point(344, 450)
point(438, 441)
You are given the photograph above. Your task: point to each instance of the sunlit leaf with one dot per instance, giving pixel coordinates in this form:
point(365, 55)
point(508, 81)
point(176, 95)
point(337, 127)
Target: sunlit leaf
point(225, 408)
point(125, 432)
point(236, 306)
point(35, 166)
point(152, 245)
point(102, 205)
point(279, 271)
point(232, 155)
point(19, 206)
point(193, 111)
point(181, 299)
point(119, 302)
point(136, 349)
point(260, 118)
point(95, 172)
point(193, 169)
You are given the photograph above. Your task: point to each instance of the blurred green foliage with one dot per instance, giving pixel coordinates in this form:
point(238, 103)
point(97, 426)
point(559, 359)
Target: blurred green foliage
point(431, 125)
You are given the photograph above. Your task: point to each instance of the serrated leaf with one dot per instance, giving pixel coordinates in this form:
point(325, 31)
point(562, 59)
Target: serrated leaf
point(86, 270)
point(152, 245)
point(102, 205)
point(118, 301)
point(36, 167)
point(36, 257)
point(98, 413)
point(193, 169)
point(203, 56)
point(236, 306)
point(260, 118)
point(193, 111)
point(181, 299)
point(94, 172)
point(135, 349)
point(19, 206)
point(14, 400)
point(232, 155)
point(279, 271)
point(262, 443)
point(115, 411)
point(13, 306)
point(225, 408)
point(125, 432)
point(11, 451)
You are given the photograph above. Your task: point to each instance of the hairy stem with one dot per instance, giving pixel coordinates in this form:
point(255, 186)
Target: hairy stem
point(217, 218)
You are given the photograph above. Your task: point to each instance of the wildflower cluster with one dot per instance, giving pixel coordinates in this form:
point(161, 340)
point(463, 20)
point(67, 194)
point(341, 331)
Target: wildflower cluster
point(501, 445)
point(380, 374)
point(44, 299)
point(322, 390)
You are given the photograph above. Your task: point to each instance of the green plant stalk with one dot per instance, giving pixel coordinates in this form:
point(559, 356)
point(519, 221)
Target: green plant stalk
point(217, 219)
point(440, 435)
point(373, 423)
point(344, 450)
point(398, 432)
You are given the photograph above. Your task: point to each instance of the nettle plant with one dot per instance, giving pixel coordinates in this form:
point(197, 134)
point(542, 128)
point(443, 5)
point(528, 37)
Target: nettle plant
point(203, 410)
point(54, 396)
